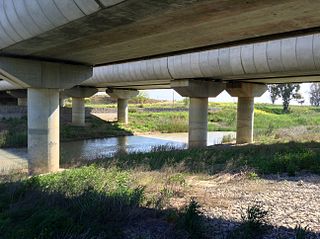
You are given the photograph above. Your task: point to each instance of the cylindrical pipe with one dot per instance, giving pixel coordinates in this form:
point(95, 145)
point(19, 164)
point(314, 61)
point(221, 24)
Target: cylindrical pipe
point(43, 130)
point(123, 111)
point(245, 118)
point(198, 122)
point(78, 111)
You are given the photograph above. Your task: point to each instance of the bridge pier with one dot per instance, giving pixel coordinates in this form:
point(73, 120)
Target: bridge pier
point(198, 122)
point(78, 94)
point(245, 108)
point(78, 111)
point(122, 97)
point(43, 130)
point(43, 80)
point(198, 91)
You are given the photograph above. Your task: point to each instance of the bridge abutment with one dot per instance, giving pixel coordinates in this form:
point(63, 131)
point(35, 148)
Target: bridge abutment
point(245, 108)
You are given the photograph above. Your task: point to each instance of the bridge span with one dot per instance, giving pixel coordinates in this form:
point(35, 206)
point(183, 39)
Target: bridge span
point(51, 49)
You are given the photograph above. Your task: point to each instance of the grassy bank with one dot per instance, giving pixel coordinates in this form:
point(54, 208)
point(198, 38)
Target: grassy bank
point(140, 195)
point(90, 202)
point(287, 158)
point(222, 117)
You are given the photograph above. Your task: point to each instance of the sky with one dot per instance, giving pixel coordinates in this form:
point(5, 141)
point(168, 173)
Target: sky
point(225, 97)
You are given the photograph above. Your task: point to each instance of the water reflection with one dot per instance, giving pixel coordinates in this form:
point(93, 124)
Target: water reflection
point(107, 147)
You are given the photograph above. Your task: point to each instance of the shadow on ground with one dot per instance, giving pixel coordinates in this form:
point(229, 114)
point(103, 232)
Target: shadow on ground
point(28, 210)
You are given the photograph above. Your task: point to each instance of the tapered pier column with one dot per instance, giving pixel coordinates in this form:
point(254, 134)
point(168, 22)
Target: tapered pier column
point(78, 111)
point(199, 91)
point(245, 116)
point(198, 122)
point(122, 97)
point(43, 130)
point(245, 110)
point(123, 111)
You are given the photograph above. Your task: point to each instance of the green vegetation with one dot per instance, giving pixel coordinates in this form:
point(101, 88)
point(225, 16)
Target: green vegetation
point(262, 159)
point(222, 117)
point(253, 224)
point(88, 202)
point(271, 124)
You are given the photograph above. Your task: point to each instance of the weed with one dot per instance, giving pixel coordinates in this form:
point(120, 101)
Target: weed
point(301, 232)
point(191, 219)
point(253, 223)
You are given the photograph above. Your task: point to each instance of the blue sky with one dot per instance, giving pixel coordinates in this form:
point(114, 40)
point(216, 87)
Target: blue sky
point(224, 96)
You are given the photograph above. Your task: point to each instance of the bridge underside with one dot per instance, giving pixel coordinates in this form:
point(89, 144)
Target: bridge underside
point(143, 28)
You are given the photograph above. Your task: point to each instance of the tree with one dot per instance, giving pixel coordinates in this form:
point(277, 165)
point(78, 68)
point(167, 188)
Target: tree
point(286, 92)
point(315, 94)
point(274, 92)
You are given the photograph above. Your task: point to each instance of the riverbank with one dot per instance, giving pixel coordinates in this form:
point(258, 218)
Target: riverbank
point(169, 193)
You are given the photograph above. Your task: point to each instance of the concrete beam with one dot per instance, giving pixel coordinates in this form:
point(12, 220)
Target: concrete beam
point(197, 88)
point(122, 93)
point(241, 89)
point(80, 92)
point(43, 74)
point(43, 130)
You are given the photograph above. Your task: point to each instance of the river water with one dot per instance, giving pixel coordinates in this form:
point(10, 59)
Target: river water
point(106, 147)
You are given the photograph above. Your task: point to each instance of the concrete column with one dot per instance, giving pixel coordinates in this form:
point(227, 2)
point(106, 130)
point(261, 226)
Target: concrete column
point(123, 111)
point(198, 122)
point(245, 93)
point(43, 130)
point(245, 118)
point(22, 102)
point(122, 97)
point(78, 111)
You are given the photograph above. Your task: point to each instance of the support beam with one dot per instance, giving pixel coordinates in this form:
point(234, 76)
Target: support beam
point(122, 96)
point(198, 122)
point(245, 109)
point(199, 91)
point(123, 111)
point(78, 111)
point(43, 130)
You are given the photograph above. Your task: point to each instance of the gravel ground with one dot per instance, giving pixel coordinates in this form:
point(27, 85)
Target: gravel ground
point(290, 201)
